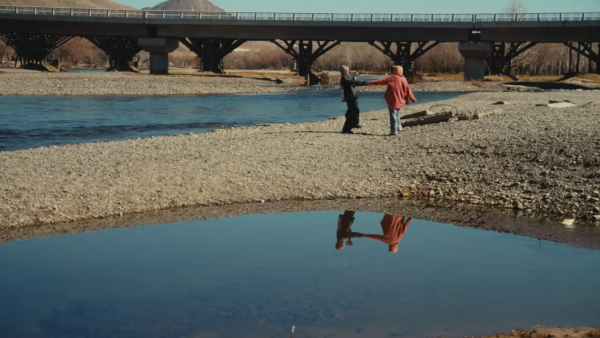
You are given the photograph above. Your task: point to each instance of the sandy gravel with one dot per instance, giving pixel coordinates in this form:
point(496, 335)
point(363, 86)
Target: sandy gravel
point(449, 86)
point(529, 158)
point(40, 83)
point(581, 332)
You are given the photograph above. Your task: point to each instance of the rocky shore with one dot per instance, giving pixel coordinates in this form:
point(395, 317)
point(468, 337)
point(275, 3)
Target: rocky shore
point(528, 158)
point(102, 83)
point(581, 332)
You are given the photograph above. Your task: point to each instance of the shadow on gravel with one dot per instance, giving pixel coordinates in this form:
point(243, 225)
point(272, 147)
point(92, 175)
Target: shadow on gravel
point(549, 85)
point(337, 132)
point(473, 216)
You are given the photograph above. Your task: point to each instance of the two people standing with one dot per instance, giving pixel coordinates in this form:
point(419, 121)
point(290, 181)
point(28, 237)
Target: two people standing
point(393, 227)
point(397, 95)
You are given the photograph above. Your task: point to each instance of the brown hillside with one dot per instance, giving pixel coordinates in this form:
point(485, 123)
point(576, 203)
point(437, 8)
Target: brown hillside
point(182, 5)
point(108, 4)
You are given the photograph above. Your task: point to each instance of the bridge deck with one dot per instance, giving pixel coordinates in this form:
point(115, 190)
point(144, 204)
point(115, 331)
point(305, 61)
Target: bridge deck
point(541, 27)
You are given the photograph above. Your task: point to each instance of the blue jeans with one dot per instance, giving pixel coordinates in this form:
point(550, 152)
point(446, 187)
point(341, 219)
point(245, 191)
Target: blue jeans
point(394, 120)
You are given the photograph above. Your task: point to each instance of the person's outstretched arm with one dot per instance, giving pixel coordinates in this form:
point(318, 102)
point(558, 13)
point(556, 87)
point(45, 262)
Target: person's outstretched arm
point(355, 83)
point(380, 82)
point(375, 237)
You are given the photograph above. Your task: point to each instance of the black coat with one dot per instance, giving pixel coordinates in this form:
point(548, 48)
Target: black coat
point(348, 85)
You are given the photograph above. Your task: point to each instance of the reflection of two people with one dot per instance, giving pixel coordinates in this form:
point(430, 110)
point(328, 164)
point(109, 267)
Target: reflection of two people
point(393, 227)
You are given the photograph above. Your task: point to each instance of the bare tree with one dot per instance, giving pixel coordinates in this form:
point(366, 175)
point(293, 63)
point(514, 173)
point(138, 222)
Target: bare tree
point(514, 7)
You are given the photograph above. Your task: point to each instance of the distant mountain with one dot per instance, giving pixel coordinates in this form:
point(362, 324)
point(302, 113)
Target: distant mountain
point(183, 5)
point(108, 4)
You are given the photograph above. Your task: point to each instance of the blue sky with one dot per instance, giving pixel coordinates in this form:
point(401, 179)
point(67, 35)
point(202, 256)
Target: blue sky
point(390, 6)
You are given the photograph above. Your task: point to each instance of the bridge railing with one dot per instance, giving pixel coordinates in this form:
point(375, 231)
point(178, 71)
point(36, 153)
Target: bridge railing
point(265, 16)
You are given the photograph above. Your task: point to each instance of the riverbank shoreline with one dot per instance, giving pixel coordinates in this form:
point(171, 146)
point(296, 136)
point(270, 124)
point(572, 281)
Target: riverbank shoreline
point(26, 82)
point(113, 83)
point(528, 158)
point(429, 209)
point(558, 332)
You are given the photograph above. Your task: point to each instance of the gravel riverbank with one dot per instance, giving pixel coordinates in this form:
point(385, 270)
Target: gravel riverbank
point(112, 83)
point(527, 158)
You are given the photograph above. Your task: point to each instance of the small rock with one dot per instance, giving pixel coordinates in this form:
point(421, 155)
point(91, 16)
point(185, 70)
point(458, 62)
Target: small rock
point(568, 223)
point(597, 218)
point(561, 105)
point(501, 103)
point(518, 205)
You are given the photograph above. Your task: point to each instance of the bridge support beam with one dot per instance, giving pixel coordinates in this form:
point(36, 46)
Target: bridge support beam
point(304, 54)
point(585, 49)
point(475, 54)
point(159, 49)
point(404, 55)
point(212, 51)
point(120, 51)
point(499, 61)
point(33, 49)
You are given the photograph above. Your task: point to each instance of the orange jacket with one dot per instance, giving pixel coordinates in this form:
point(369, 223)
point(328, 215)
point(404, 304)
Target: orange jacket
point(394, 227)
point(398, 92)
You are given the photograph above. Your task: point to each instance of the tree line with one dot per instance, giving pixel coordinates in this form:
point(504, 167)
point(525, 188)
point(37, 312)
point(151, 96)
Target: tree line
point(541, 60)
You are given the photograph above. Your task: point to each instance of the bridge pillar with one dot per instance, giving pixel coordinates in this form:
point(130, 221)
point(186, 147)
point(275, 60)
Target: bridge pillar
point(159, 49)
point(304, 55)
point(120, 51)
point(475, 54)
point(403, 55)
point(211, 51)
point(586, 49)
point(499, 61)
point(33, 49)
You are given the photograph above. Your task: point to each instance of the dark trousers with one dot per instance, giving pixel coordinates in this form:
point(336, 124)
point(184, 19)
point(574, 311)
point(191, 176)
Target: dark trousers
point(352, 116)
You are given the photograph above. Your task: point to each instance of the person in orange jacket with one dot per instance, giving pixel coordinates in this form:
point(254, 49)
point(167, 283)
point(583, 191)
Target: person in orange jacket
point(397, 95)
point(393, 227)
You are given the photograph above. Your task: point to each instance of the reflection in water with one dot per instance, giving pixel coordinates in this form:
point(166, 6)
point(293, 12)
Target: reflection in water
point(393, 227)
point(259, 275)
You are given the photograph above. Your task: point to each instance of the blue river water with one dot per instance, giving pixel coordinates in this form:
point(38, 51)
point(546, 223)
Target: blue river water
point(259, 275)
point(37, 121)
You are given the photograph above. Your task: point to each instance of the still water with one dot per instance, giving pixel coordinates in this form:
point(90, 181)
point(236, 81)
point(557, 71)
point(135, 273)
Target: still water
point(37, 121)
point(259, 275)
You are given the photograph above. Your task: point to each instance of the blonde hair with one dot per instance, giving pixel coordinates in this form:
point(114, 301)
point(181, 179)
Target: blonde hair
point(344, 69)
point(398, 70)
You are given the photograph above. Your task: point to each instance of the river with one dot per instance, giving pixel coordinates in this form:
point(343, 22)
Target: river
point(38, 121)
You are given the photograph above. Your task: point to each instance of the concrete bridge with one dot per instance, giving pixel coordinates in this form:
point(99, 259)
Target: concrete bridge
point(496, 38)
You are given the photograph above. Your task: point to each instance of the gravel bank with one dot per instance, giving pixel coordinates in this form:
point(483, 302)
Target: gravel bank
point(448, 86)
point(560, 332)
point(528, 158)
point(460, 214)
point(112, 83)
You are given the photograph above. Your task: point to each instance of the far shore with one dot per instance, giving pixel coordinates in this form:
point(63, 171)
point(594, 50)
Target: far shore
point(185, 82)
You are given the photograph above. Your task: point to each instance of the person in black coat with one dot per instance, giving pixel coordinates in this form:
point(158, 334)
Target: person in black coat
point(349, 96)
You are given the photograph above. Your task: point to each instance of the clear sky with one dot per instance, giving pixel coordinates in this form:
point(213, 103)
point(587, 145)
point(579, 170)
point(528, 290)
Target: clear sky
point(390, 6)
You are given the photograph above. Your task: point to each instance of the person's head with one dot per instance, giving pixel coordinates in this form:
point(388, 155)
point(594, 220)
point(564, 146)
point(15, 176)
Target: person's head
point(398, 70)
point(339, 245)
point(344, 70)
point(393, 248)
